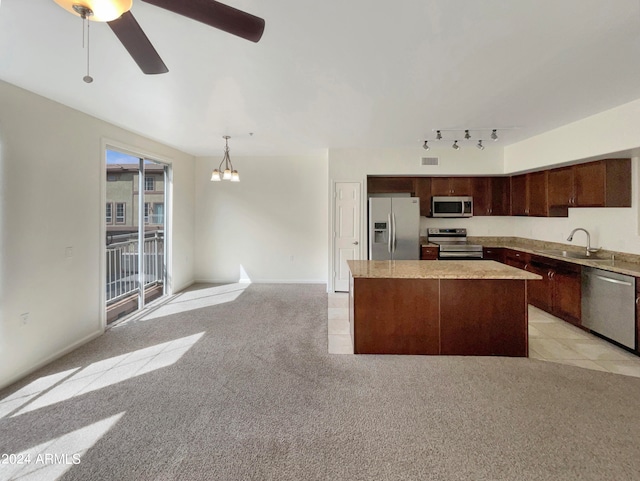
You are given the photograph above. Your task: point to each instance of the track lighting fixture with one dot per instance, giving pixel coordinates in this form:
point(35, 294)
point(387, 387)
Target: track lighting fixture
point(478, 133)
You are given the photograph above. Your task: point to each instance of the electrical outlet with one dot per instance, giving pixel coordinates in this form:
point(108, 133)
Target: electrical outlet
point(24, 317)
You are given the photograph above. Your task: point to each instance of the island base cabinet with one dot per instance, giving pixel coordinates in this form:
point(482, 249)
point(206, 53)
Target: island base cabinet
point(395, 316)
point(479, 317)
point(485, 324)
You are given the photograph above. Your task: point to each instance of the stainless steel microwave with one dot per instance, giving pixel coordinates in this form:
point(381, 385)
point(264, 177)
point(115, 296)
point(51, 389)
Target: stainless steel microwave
point(443, 206)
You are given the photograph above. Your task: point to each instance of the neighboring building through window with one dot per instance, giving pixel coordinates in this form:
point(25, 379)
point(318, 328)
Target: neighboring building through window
point(147, 212)
point(158, 213)
point(149, 184)
point(109, 213)
point(120, 213)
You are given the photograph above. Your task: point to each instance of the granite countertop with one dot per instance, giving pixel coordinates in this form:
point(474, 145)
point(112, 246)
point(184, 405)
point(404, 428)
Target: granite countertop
point(437, 270)
point(620, 262)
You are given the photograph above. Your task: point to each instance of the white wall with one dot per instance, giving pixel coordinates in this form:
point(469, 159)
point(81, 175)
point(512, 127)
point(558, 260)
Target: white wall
point(612, 133)
point(272, 224)
point(50, 170)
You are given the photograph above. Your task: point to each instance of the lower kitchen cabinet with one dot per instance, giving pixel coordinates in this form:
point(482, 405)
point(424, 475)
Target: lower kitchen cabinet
point(429, 253)
point(567, 292)
point(493, 254)
point(560, 290)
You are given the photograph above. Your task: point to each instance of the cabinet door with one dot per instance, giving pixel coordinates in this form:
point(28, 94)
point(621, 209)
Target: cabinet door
point(519, 194)
point(567, 294)
point(537, 188)
point(390, 185)
point(460, 185)
point(481, 192)
point(561, 191)
point(429, 253)
point(440, 186)
point(539, 293)
point(638, 314)
point(590, 184)
point(493, 254)
point(515, 258)
point(423, 190)
point(500, 188)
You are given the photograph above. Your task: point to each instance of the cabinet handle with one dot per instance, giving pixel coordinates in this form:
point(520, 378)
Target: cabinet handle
point(526, 266)
point(637, 299)
point(551, 274)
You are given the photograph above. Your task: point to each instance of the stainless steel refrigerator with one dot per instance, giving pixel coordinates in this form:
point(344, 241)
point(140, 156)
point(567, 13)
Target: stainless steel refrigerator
point(394, 228)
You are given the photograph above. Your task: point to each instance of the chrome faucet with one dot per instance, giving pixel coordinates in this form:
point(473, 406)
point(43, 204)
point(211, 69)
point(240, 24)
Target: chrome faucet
point(590, 249)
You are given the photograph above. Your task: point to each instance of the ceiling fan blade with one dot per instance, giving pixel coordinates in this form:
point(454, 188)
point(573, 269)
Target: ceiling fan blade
point(137, 44)
point(216, 15)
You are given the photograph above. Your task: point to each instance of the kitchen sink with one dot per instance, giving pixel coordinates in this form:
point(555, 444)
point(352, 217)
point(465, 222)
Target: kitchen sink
point(573, 255)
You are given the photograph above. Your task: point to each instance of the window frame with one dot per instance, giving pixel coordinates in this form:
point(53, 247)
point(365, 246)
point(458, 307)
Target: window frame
point(124, 213)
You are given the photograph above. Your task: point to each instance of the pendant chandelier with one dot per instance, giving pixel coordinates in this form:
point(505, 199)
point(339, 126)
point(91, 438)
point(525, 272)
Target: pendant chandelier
point(229, 173)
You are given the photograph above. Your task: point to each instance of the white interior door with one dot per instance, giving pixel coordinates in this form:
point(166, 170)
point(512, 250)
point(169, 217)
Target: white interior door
point(346, 232)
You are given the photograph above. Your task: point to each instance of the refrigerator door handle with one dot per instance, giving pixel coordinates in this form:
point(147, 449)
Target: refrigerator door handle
point(393, 216)
point(389, 232)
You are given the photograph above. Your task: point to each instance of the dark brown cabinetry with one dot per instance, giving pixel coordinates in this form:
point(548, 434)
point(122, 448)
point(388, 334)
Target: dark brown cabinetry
point(545, 193)
point(519, 195)
point(517, 259)
point(451, 186)
point(603, 183)
point(423, 190)
point(390, 185)
point(491, 195)
point(559, 291)
point(429, 253)
point(538, 205)
point(493, 254)
point(529, 194)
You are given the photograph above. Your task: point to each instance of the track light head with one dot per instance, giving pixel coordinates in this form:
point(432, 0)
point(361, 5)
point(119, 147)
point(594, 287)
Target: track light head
point(466, 135)
point(494, 135)
point(455, 145)
point(479, 145)
point(425, 146)
point(438, 135)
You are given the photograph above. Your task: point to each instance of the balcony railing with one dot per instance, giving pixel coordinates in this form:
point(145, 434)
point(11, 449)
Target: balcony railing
point(122, 265)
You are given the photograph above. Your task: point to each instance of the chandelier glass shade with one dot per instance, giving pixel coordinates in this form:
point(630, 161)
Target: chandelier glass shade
point(229, 173)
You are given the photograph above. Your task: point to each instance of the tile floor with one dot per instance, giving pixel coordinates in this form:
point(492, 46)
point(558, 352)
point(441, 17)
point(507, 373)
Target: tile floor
point(550, 339)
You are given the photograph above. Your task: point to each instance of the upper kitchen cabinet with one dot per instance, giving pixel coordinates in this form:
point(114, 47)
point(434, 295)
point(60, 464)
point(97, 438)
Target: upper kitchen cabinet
point(423, 190)
point(491, 195)
point(529, 194)
point(603, 183)
point(537, 188)
point(390, 185)
point(451, 186)
point(519, 195)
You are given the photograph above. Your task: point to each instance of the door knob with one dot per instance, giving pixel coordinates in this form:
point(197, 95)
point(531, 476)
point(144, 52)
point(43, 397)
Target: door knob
point(355, 243)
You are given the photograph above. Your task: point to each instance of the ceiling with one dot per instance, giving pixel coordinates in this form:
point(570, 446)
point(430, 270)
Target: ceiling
point(336, 74)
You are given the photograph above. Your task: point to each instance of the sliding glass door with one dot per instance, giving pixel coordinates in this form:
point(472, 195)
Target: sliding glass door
point(135, 232)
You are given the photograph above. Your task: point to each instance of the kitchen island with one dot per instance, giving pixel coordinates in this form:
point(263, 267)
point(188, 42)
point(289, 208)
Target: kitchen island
point(474, 308)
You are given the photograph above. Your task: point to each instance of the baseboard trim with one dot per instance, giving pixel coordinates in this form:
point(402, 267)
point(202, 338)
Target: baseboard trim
point(261, 281)
point(51, 358)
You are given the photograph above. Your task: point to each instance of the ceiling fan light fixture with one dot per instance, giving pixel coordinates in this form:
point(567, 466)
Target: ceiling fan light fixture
point(102, 10)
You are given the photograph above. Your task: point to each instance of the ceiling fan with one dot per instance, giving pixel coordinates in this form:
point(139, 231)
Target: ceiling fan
point(118, 16)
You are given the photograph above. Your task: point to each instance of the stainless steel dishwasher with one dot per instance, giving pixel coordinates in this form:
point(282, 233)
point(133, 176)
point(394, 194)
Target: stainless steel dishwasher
point(608, 305)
